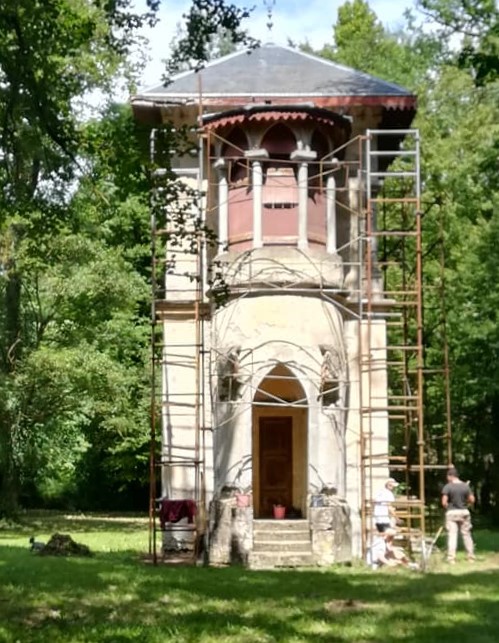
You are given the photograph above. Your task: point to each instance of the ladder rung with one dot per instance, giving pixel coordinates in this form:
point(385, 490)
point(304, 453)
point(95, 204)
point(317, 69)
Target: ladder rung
point(179, 404)
point(179, 464)
point(395, 200)
point(393, 153)
point(416, 467)
point(395, 397)
point(167, 345)
point(395, 132)
point(394, 174)
point(394, 233)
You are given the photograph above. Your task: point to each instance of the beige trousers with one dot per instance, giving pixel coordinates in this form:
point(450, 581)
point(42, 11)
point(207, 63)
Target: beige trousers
point(455, 520)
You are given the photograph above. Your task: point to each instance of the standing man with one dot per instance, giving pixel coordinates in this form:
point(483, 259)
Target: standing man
point(456, 497)
point(384, 512)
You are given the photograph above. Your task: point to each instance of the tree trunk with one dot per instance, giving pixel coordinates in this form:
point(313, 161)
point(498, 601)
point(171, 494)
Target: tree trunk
point(9, 479)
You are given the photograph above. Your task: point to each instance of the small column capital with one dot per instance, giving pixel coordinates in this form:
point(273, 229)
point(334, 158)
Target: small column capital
point(257, 155)
point(303, 155)
point(220, 164)
point(334, 162)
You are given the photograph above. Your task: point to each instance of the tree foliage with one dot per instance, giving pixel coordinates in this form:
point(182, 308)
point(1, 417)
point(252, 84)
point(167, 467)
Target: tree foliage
point(360, 41)
point(211, 27)
point(74, 254)
point(476, 24)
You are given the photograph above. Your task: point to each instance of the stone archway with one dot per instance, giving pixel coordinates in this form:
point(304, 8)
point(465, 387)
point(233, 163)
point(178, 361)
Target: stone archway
point(279, 444)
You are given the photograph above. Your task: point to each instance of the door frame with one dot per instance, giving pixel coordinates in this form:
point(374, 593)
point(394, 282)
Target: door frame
point(299, 453)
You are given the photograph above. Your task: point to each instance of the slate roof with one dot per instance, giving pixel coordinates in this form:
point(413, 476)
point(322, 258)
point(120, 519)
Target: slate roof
point(274, 71)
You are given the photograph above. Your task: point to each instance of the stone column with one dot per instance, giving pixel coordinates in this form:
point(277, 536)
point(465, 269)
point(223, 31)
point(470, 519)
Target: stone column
point(257, 204)
point(302, 205)
point(331, 214)
point(256, 157)
point(377, 276)
point(223, 204)
point(304, 156)
point(355, 255)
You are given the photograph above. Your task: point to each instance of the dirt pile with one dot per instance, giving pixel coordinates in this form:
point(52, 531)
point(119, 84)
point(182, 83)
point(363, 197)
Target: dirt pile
point(64, 545)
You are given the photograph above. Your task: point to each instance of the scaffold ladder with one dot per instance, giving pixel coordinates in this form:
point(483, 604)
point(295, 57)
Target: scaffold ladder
point(177, 278)
point(393, 281)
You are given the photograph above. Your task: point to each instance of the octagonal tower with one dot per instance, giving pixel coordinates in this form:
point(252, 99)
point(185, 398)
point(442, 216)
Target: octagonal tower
point(285, 186)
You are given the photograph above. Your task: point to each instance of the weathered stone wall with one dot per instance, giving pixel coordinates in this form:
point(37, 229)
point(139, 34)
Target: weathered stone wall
point(231, 532)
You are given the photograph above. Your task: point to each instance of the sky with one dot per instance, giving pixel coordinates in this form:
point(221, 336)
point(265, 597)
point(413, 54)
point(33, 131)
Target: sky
point(298, 20)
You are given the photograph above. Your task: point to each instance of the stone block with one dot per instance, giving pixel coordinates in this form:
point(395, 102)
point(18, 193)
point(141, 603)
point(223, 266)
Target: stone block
point(231, 532)
point(331, 531)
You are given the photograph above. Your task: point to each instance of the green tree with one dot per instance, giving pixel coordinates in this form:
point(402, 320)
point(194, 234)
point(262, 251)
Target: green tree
point(43, 44)
point(73, 252)
point(359, 37)
point(360, 41)
point(476, 22)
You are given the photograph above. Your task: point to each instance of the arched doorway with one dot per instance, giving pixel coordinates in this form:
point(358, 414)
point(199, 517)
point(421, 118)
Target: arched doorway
point(280, 418)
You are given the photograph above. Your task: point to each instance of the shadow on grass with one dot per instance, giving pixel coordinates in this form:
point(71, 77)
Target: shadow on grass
point(113, 597)
point(53, 521)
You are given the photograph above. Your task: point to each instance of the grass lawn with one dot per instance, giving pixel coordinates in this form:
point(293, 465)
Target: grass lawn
point(115, 598)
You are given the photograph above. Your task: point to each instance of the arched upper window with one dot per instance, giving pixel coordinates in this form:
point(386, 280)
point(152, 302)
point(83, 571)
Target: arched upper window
point(236, 143)
point(233, 150)
point(280, 386)
point(319, 144)
point(279, 141)
point(279, 175)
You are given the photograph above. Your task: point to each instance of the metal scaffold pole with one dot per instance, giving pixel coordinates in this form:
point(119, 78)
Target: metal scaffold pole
point(394, 310)
point(153, 403)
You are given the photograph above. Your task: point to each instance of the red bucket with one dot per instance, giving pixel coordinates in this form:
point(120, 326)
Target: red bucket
point(279, 512)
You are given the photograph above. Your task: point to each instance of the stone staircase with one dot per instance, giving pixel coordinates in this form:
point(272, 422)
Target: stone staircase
point(281, 543)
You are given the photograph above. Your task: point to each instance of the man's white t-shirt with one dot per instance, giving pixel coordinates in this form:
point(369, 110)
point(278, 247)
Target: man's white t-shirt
point(382, 503)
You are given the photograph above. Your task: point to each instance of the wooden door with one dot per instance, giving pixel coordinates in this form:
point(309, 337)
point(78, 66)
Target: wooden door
point(276, 463)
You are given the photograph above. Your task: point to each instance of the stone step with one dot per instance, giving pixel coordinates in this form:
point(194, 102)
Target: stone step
point(296, 528)
point(291, 524)
point(281, 534)
point(282, 546)
point(272, 560)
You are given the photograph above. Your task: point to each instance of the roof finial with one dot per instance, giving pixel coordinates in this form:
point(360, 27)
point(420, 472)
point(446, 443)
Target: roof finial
point(269, 5)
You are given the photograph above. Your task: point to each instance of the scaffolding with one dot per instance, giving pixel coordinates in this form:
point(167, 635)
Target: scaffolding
point(394, 251)
point(383, 260)
point(393, 260)
point(178, 278)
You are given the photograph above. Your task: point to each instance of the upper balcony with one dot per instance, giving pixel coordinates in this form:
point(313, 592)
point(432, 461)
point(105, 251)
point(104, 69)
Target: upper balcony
point(276, 176)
